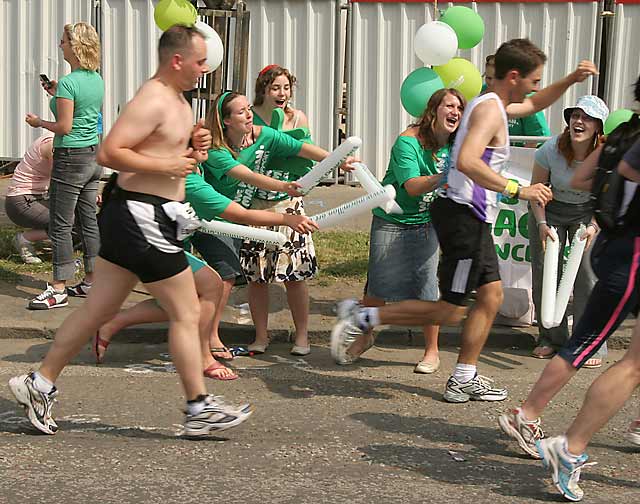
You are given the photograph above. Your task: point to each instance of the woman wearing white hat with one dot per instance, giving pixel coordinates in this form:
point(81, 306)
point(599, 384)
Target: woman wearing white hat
point(555, 163)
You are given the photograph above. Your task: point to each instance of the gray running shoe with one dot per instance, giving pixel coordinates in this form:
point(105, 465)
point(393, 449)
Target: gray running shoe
point(217, 415)
point(37, 405)
point(480, 388)
point(525, 432)
point(26, 250)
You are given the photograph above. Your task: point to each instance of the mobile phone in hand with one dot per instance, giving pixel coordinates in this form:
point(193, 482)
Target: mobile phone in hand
point(45, 80)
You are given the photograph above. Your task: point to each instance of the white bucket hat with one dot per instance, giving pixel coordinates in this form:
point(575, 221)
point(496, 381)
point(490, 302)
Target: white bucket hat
point(590, 105)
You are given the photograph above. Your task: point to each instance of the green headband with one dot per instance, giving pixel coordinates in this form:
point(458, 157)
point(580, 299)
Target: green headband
point(223, 96)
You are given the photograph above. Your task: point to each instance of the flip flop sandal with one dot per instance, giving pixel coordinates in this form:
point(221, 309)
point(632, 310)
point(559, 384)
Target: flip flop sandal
point(99, 342)
point(543, 352)
point(209, 372)
point(217, 350)
point(593, 363)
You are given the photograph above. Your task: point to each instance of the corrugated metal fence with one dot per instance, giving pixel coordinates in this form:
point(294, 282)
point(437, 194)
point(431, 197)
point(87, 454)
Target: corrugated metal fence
point(308, 36)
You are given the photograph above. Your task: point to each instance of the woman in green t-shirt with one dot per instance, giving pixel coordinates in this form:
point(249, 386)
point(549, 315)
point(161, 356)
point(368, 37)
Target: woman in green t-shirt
point(77, 100)
point(298, 263)
point(403, 250)
point(236, 167)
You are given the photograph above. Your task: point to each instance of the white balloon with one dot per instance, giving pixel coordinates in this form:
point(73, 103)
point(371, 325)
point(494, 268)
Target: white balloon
point(435, 43)
point(215, 51)
point(206, 30)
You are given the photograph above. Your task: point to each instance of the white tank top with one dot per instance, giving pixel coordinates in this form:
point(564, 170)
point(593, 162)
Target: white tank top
point(463, 190)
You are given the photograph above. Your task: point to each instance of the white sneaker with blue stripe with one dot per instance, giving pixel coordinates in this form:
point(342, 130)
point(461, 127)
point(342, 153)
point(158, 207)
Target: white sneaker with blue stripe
point(564, 471)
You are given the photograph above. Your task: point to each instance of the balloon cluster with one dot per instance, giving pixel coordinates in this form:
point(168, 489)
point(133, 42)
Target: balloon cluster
point(172, 12)
point(436, 44)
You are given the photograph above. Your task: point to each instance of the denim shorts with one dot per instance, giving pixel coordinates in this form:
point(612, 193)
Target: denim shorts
point(403, 261)
point(221, 253)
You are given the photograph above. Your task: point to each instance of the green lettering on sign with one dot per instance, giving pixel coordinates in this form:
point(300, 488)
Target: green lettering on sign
point(503, 253)
point(506, 220)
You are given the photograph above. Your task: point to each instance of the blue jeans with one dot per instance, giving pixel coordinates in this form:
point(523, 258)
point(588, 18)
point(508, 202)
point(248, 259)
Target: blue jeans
point(403, 261)
point(72, 194)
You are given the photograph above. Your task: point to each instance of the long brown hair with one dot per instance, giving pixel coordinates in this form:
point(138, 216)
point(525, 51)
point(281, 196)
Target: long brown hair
point(220, 110)
point(266, 77)
point(566, 149)
point(427, 123)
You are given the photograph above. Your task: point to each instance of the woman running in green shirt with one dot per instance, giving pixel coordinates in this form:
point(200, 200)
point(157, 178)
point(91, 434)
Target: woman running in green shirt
point(403, 253)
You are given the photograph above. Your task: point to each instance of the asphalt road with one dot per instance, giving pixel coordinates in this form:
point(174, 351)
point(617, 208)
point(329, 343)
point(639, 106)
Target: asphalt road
point(374, 432)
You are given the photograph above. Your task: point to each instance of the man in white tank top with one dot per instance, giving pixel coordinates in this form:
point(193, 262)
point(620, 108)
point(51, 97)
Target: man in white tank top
point(463, 217)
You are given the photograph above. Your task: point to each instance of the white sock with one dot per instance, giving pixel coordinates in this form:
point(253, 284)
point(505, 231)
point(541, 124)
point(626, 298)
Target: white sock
point(41, 384)
point(565, 450)
point(195, 407)
point(368, 317)
point(464, 372)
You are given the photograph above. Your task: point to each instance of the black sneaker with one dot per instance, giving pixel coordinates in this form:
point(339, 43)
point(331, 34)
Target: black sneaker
point(37, 405)
point(79, 290)
point(49, 298)
point(216, 416)
point(480, 388)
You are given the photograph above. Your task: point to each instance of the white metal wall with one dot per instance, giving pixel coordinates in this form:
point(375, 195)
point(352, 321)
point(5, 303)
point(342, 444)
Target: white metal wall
point(130, 37)
point(624, 63)
point(129, 51)
point(29, 39)
point(383, 55)
point(299, 35)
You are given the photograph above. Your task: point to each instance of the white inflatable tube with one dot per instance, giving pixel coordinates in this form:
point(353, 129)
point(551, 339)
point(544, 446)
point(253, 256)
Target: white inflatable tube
point(349, 210)
point(569, 275)
point(333, 160)
point(242, 232)
point(372, 185)
point(550, 281)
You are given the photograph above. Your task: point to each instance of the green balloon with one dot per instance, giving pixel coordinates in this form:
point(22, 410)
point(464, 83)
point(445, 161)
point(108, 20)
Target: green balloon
point(615, 119)
point(417, 88)
point(462, 75)
point(467, 24)
point(172, 12)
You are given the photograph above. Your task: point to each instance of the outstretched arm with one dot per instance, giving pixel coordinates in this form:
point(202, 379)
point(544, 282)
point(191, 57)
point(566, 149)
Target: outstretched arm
point(248, 176)
point(237, 213)
point(547, 96)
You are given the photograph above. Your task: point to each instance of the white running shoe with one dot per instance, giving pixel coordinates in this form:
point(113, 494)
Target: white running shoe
point(479, 388)
point(48, 299)
point(26, 250)
point(37, 405)
point(564, 472)
point(216, 416)
point(524, 431)
point(633, 433)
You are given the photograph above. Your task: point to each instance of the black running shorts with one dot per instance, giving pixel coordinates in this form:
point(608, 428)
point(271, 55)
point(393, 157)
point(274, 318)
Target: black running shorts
point(136, 234)
point(469, 258)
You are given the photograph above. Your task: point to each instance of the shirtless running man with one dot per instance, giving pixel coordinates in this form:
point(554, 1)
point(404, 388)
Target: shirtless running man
point(140, 241)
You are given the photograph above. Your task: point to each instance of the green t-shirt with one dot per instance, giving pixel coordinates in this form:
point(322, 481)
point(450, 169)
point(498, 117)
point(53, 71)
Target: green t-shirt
point(205, 200)
point(533, 125)
point(86, 89)
point(408, 160)
point(296, 166)
point(255, 157)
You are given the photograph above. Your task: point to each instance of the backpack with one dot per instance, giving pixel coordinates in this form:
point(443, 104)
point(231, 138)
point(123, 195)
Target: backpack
point(607, 190)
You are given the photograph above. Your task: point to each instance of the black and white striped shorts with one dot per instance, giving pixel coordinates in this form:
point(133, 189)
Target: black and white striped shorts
point(136, 234)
